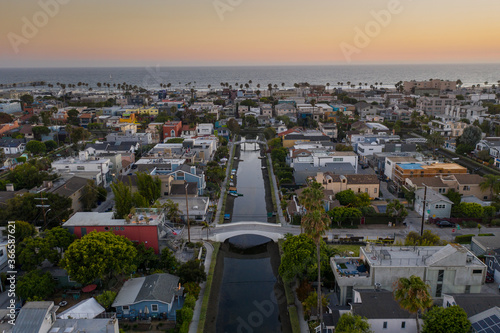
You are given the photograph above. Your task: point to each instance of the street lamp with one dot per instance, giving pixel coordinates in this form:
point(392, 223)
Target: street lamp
point(187, 210)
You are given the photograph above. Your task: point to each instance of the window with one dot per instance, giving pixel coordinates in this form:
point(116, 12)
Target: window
point(440, 275)
point(366, 190)
point(375, 190)
point(80, 167)
point(154, 307)
point(384, 325)
point(477, 271)
point(466, 188)
point(403, 324)
point(125, 307)
point(439, 290)
point(467, 289)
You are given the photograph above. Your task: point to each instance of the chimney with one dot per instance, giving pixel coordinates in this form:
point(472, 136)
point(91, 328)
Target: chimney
point(9, 187)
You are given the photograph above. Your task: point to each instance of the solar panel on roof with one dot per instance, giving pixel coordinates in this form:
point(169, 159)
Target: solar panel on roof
point(490, 324)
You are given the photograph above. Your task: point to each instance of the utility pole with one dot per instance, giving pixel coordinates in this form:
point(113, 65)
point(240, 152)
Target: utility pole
point(423, 212)
point(43, 206)
point(187, 211)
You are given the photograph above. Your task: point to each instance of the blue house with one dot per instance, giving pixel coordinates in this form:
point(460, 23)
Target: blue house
point(152, 296)
point(186, 172)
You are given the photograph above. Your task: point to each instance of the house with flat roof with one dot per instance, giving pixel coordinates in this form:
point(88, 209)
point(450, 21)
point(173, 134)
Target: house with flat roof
point(144, 226)
point(447, 269)
point(357, 183)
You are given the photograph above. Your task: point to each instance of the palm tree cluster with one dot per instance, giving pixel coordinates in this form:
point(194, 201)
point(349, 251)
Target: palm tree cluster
point(315, 222)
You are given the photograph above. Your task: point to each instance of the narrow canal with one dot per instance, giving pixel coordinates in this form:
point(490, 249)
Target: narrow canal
point(247, 294)
point(250, 182)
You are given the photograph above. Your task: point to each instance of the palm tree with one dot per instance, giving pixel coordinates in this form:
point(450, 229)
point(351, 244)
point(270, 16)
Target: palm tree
point(491, 182)
point(316, 223)
point(413, 295)
point(207, 226)
point(327, 86)
point(173, 211)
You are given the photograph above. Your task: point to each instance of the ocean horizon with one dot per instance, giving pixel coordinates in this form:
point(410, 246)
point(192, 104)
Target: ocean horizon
point(284, 76)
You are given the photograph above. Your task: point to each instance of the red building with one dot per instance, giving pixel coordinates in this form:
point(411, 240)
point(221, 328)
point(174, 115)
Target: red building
point(139, 228)
point(172, 129)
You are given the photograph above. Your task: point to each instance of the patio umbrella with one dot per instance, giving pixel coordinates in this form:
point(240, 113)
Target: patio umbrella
point(89, 288)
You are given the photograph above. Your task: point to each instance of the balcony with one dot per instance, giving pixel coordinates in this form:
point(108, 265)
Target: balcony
point(349, 271)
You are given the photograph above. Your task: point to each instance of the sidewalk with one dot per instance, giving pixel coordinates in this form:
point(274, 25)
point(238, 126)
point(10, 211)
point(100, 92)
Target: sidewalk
point(193, 328)
point(281, 218)
point(223, 186)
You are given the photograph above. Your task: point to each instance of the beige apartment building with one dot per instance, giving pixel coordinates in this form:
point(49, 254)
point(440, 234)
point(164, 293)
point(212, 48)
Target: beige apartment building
point(408, 86)
point(357, 183)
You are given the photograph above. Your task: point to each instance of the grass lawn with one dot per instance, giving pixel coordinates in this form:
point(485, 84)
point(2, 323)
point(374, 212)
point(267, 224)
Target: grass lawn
point(345, 249)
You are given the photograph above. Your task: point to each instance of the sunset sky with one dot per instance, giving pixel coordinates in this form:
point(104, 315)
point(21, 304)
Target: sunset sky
point(250, 32)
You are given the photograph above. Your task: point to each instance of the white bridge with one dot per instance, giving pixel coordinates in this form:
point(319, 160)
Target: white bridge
point(221, 232)
point(251, 141)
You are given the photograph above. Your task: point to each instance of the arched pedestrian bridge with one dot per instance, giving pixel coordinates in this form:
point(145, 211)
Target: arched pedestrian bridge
point(224, 231)
point(251, 141)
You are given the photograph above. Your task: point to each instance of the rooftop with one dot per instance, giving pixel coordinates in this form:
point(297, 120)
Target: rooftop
point(410, 166)
point(143, 216)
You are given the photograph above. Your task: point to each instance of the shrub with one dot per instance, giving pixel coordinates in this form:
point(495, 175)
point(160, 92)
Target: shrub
point(192, 288)
point(469, 224)
point(464, 239)
point(495, 222)
point(190, 302)
point(303, 290)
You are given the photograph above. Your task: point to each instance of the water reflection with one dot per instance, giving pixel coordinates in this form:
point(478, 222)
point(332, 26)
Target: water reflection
point(252, 205)
point(248, 293)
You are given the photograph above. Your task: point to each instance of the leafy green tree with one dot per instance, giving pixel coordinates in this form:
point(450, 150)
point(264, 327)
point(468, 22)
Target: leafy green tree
point(346, 197)
point(73, 117)
point(274, 143)
point(99, 255)
point(427, 239)
point(146, 259)
point(192, 271)
point(233, 126)
point(343, 147)
point(59, 238)
point(106, 299)
point(469, 209)
point(139, 201)
point(221, 152)
point(362, 200)
point(463, 149)
point(35, 286)
point(168, 262)
point(413, 295)
point(5, 118)
point(297, 260)
point(269, 133)
point(278, 155)
point(50, 145)
point(349, 323)
point(343, 214)
point(454, 196)
point(123, 199)
point(23, 231)
point(396, 210)
point(443, 320)
point(36, 147)
point(26, 98)
point(489, 212)
point(28, 176)
point(149, 187)
point(38, 131)
point(23, 207)
point(33, 251)
point(471, 136)
point(215, 174)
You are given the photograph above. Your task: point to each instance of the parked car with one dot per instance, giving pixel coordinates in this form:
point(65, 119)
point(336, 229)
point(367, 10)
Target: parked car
point(445, 224)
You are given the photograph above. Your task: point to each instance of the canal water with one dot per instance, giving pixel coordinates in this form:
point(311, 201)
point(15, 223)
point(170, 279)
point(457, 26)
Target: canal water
point(247, 294)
